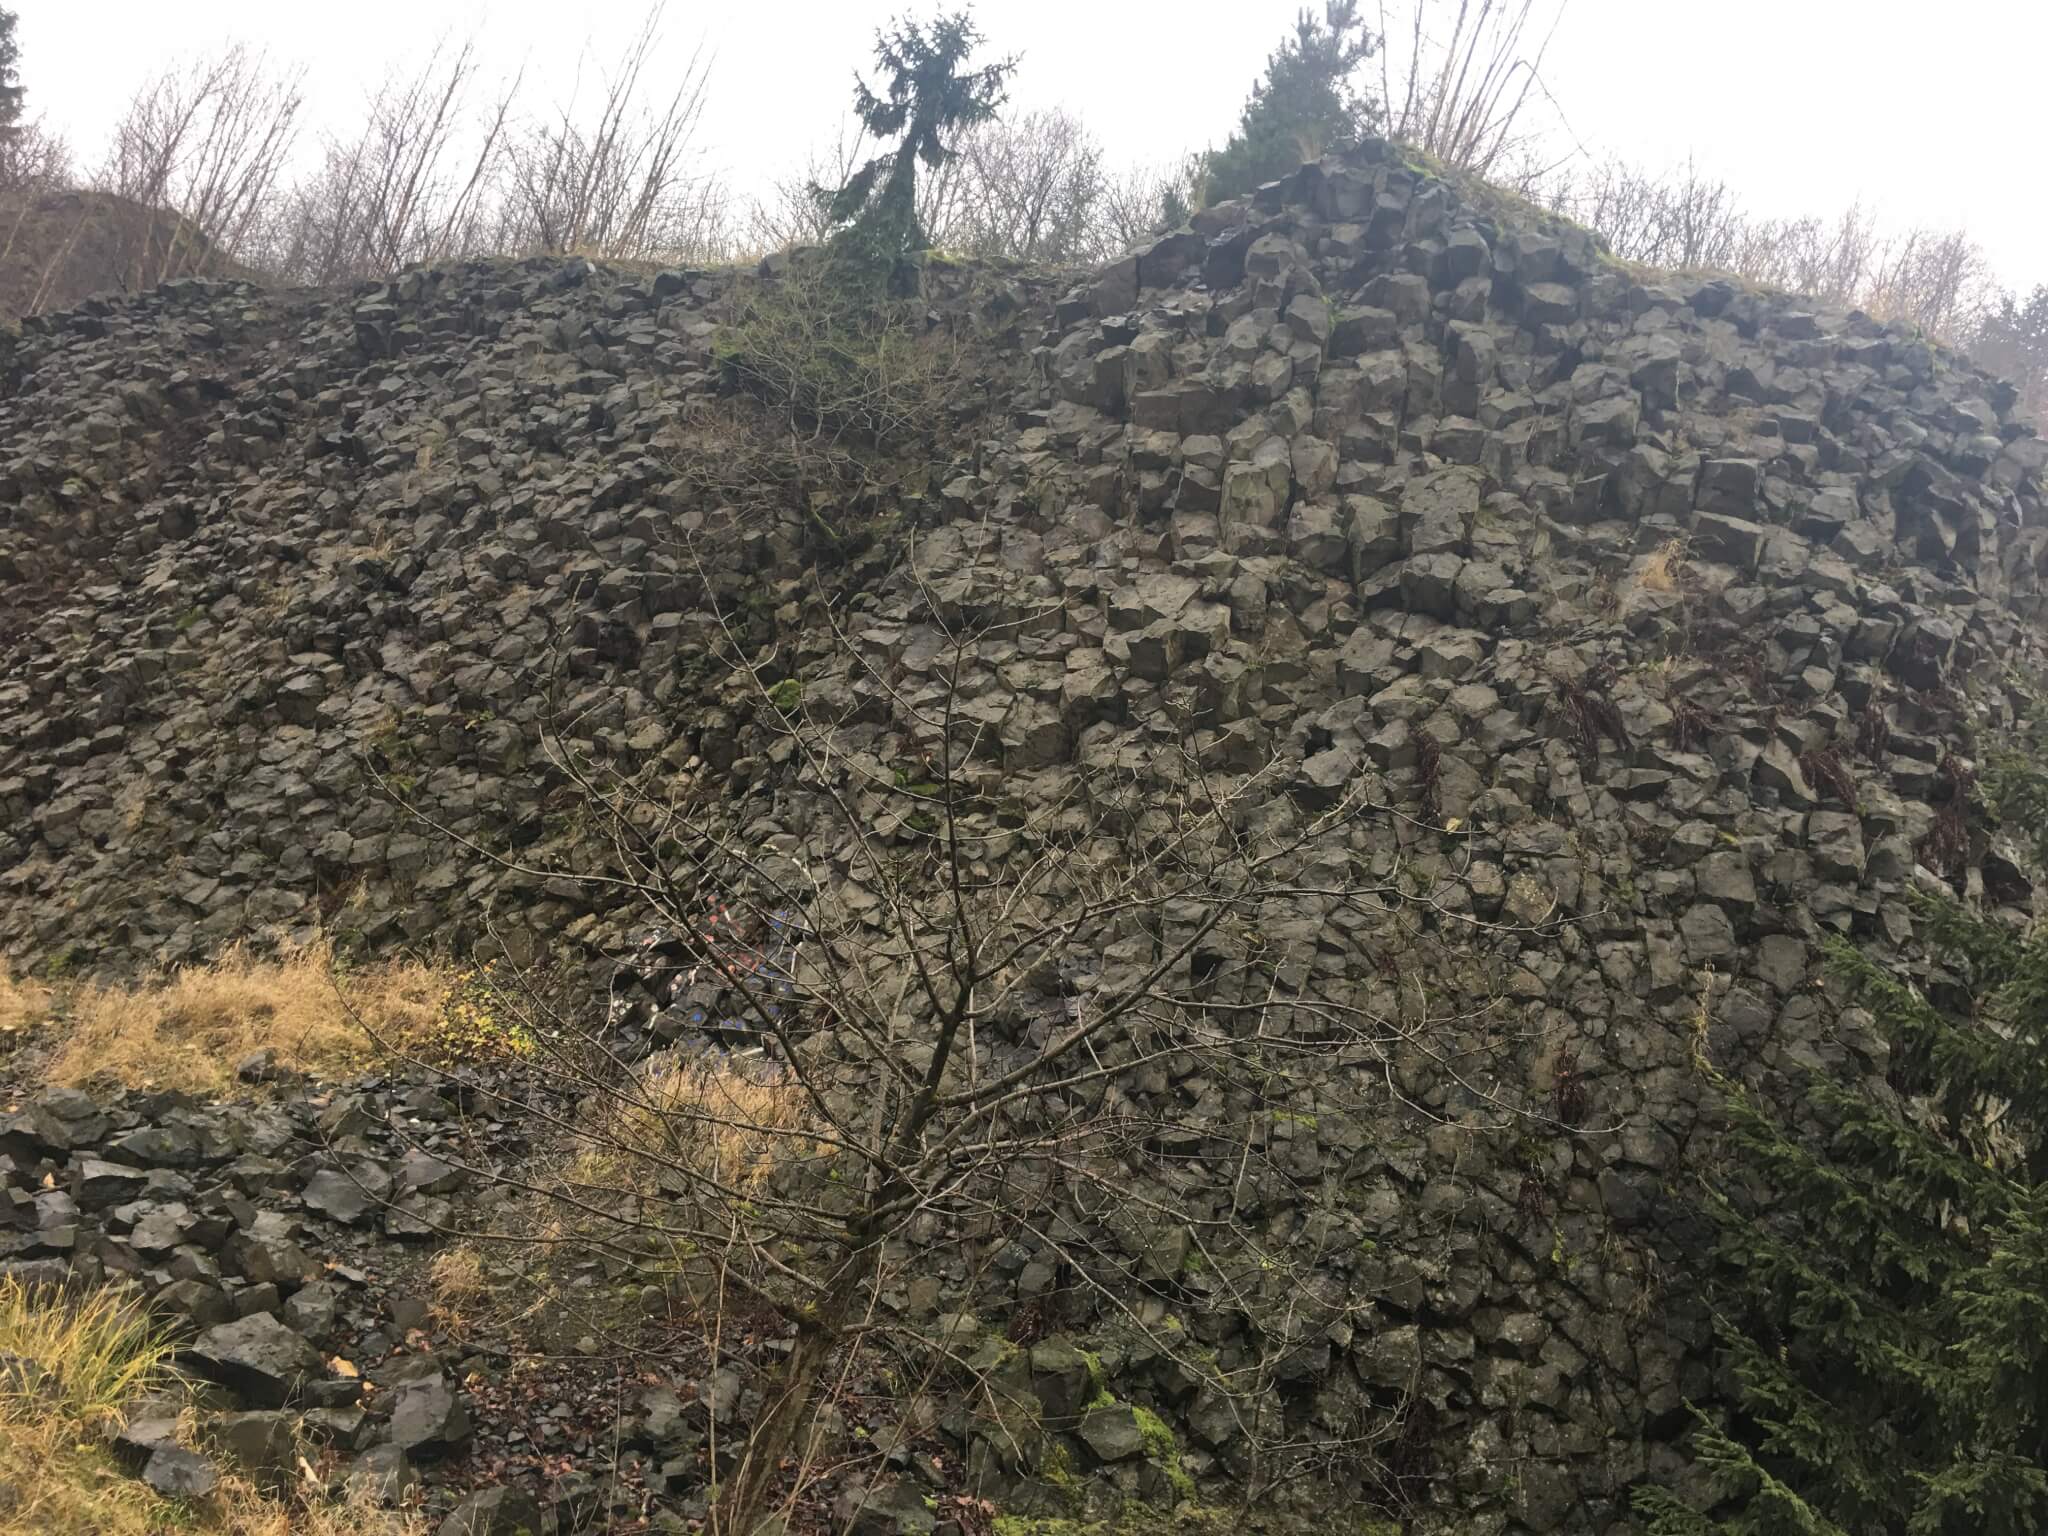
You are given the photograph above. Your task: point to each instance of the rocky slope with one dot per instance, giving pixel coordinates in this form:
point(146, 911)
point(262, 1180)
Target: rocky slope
point(1674, 602)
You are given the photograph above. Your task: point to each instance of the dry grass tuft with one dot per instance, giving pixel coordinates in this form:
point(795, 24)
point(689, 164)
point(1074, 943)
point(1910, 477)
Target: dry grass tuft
point(1661, 567)
point(24, 1004)
point(85, 1359)
point(190, 1029)
point(456, 1278)
point(88, 1356)
point(729, 1122)
point(81, 1362)
point(457, 1275)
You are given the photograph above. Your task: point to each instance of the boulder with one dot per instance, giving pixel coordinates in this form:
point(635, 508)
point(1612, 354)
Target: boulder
point(258, 1356)
point(179, 1473)
point(1111, 1432)
point(428, 1418)
point(494, 1512)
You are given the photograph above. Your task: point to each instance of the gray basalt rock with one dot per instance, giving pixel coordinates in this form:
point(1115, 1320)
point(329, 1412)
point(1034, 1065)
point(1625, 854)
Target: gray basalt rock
point(427, 1416)
point(179, 1473)
point(259, 1357)
point(494, 1512)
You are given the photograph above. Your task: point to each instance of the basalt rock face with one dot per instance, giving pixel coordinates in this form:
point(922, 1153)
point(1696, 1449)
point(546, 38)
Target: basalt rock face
point(1657, 607)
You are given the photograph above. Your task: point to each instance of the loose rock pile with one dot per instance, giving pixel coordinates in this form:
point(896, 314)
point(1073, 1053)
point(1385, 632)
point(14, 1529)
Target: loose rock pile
point(1659, 607)
point(244, 1225)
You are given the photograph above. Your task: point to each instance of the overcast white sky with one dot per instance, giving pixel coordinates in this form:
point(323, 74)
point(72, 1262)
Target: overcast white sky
point(1926, 111)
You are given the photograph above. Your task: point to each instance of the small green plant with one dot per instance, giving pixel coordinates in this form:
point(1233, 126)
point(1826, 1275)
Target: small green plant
point(1057, 1465)
point(476, 1024)
point(1163, 1447)
point(846, 365)
point(787, 695)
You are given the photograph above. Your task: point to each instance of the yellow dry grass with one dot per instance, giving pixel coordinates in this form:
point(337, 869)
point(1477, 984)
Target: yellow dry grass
point(190, 1029)
point(457, 1275)
point(89, 1357)
point(24, 1004)
point(727, 1122)
point(1660, 568)
point(457, 1280)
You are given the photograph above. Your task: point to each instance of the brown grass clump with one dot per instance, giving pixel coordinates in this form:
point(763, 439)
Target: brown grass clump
point(457, 1280)
point(190, 1029)
point(82, 1361)
point(24, 1004)
point(1661, 567)
point(729, 1122)
point(457, 1275)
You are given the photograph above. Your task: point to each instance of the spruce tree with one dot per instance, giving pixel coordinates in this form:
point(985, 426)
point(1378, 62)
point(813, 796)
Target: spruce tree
point(1305, 106)
point(11, 92)
point(1884, 1313)
point(926, 95)
point(2012, 340)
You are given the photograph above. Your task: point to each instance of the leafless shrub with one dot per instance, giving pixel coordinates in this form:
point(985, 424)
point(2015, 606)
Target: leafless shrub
point(1685, 219)
point(1457, 75)
point(1874, 728)
point(1589, 711)
point(33, 155)
point(1692, 727)
point(200, 149)
point(1825, 768)
point(793, 211)
point(404, 188)
point(1945, 846)
point(1937, 280)
point(1142, 201)
point(970, 991)
point(1028, 186)
point(34, 239)
point(1429, 763)
point(842, 368)
point(1682, 219)
point(622, 182)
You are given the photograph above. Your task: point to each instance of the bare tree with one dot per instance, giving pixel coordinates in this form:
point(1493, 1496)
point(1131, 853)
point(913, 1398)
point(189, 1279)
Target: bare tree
point(1937, 280)
point(1031, 185)
point(1002, 983)
point(1143, 201)
point(624, 181)
point(200, 149)
point(412, 184)
point(1687, 220)
point(1457, 75)
point(1682, 219)
point(33, 155)
point(794, 210)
